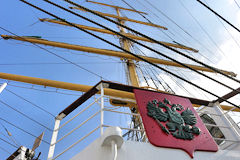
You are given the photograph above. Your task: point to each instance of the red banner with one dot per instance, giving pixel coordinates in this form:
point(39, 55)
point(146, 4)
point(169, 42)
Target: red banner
point(172, 122)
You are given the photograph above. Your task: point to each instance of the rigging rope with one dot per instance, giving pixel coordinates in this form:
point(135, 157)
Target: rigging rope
point(203, 29)
point(218, 15)
point(147, 19)
point(7, 105)
point(195, 85)
point(181, 28)
point(231, 35)
point(181, 53)
point(10, 136)
point(237, 4)
point(37, 106)
point(55, 54)
point(8, 142)
point(23, 130)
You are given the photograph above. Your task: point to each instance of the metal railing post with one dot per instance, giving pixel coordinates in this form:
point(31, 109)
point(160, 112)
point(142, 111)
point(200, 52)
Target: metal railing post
point(54, 139)
point(2, 87)
point(102, 108)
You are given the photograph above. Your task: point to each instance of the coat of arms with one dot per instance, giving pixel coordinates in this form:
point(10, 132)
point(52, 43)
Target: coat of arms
point(171, 121)
point(181, 126)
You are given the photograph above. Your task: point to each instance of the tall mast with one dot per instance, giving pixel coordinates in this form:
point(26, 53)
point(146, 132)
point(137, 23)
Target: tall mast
point(131, 67)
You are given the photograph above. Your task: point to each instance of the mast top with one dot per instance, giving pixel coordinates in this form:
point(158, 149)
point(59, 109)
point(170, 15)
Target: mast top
point(120, 18)
point(132, 10)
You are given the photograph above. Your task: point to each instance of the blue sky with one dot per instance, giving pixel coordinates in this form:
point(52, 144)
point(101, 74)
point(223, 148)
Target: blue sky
point(25, 59)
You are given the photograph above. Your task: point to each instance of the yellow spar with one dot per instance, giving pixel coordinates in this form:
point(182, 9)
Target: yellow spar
point(76, 87)
point(109, 32)
point(110, 53)
point(124, 18)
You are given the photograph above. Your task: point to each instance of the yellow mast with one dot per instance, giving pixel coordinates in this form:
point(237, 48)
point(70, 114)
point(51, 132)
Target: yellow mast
point(130, 64)
point(85, 88)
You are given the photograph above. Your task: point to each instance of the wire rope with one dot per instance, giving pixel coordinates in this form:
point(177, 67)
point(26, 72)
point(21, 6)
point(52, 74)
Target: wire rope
point(126, 38)
point(23, 130)
point(33, 104)
point(218, 15)
point(56, 55)
point(181, 53)
point(23, 114)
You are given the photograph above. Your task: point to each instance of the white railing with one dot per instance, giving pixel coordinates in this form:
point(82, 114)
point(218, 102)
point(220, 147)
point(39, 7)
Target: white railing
point(224, 123)
point(99, 101)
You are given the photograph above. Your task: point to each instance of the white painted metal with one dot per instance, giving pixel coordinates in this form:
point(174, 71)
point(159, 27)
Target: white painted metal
point(130, 129)
point(80, 112)
point(2, 87)
point(139, 152)
point(77, 127)
point(76, 143)
point(54, 139)
point(133, 114)
point(131, 150)
point(231, 133)
point(102, 109)
point(112, 134)
point(22, 151)
point(228, 140)
point(112, 137)
point(114, 150)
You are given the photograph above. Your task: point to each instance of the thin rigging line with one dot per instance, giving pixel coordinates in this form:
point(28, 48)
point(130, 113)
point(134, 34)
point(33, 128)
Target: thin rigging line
point(208, 35)
point(35, 105)
point(181, 53)
point(5, 150)
point(11, 145)
point(54, 63)
point(71, 52)
point(161, 21)
point(218, 15)
point(10, 136)
point(164, 84)
point(23, 130)
point(186, 32)
point(168, 88)
point(147, 19)
point(226, 29)
point(150, 77)
point(229, 33)
point(186, 77)
point(180, 85)
point(8, 143)
point(237, 4)
point(175, 81)
point(25, 115)
point(204, 30)
point(135, 42)
point(144, 78)
point(44, 90)
point(55, 54)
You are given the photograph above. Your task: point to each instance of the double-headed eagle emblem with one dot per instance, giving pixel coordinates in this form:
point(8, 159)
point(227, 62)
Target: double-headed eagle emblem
point(181, 126)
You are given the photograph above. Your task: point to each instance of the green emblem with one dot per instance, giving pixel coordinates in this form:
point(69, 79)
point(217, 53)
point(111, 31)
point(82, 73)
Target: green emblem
point(181, 126)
